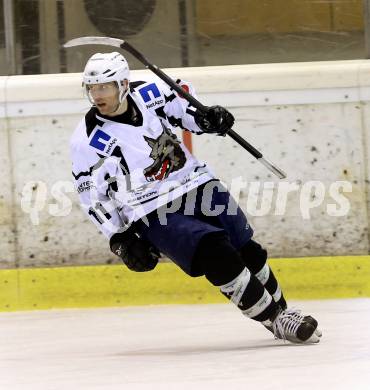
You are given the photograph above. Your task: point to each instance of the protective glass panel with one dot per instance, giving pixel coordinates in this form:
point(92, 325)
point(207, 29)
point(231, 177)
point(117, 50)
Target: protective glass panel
point(174, 33)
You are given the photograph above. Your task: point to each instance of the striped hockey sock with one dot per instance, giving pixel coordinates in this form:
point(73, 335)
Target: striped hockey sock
point(255, 258)
point(268, 280)
point(249, 295)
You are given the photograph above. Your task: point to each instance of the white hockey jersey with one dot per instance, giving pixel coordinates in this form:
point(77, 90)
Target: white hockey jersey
point(127, 166)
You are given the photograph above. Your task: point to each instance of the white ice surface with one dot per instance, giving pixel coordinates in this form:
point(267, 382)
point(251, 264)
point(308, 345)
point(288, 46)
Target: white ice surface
point(182, 347)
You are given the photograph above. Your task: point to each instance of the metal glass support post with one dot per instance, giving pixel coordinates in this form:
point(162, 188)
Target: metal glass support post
point(10, 36)
point(366, 8)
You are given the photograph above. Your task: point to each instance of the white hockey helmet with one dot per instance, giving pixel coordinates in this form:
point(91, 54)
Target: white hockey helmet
point(107, 67)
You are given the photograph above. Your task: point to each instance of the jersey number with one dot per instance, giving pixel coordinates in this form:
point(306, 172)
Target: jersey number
point(101, 208)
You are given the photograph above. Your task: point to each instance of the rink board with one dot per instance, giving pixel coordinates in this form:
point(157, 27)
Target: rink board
point(115, 285)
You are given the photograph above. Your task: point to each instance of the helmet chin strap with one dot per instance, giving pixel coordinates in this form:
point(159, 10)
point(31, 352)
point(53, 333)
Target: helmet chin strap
point(116, 109)
point(121, 102)
point(123, 95)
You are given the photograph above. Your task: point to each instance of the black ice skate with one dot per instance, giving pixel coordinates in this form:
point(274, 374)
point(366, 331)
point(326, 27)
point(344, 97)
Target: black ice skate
point(292, 326)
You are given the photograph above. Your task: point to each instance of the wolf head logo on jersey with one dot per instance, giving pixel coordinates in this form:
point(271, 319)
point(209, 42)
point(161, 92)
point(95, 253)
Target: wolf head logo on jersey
point(167, 155)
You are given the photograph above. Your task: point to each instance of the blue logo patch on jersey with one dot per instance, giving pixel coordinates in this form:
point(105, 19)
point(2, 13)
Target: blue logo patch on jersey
point(144, 92)
point(97, 138)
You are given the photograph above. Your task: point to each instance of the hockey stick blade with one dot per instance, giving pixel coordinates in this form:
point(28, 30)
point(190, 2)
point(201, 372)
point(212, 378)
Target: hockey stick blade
point(94, 41)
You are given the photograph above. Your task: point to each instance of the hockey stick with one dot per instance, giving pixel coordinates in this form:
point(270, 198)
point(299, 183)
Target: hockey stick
point(194, 102)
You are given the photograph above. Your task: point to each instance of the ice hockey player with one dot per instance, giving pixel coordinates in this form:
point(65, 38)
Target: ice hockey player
point(148, 194)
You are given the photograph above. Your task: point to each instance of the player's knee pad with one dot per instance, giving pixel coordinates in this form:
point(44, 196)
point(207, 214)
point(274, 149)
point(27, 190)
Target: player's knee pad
point(254, 257)
point(218, 260)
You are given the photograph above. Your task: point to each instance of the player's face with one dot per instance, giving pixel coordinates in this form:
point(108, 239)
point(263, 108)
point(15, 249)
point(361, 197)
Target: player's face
point(104, 96)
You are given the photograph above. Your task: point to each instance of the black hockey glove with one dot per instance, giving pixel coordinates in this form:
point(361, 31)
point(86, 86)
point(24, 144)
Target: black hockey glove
point(216, 120)
point(138, 254)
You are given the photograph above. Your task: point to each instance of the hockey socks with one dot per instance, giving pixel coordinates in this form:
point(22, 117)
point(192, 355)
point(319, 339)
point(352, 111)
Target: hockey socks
point(248, 294)
point(223, 266)
point(255, 259)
